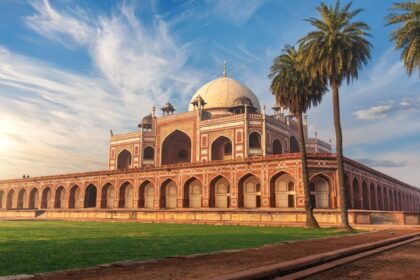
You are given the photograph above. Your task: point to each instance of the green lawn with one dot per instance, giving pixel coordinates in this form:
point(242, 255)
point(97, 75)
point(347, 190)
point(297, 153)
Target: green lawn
point(28, 247)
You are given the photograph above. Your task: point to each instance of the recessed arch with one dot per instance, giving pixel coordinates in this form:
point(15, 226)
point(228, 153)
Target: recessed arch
point(221, 148)
point(356, 194)
point(219, 192)
point(282, 190)
point(249, 191)
point(193, 192)
point(1, 198)
point(176, 148)
point(74, 197)
point(365, 195)
point(90, 196)
point(10, 199)
point(46, 198)
point(319, 189)
point(348, 189)
point(126, 195)
point(254, 140)
point(34, 199)
point(149, 153)
point(294, 145)
point(108, 196)
point(277, 147)
point(59, 197)
point(380, 196)
point(22, 196)
point(124, 159)
point(146, 195)
point(168, 194)
point(373, 197)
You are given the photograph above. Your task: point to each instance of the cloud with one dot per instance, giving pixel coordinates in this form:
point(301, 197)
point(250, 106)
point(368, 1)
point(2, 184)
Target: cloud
point(237, 11)
point(382, 163)
point(53, 120)
point(374, 113)
point(387, 108)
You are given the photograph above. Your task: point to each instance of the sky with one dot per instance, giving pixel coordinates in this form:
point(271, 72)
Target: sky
point(72, 70)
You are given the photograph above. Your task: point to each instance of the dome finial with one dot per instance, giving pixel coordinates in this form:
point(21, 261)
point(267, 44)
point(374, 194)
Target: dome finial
point(224, 69)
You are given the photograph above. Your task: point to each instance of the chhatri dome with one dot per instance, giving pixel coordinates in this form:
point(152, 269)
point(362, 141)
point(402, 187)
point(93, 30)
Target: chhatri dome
point(221, 94)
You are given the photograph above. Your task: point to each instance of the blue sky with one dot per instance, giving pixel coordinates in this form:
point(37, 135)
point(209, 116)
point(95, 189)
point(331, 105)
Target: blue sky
point(72, 70)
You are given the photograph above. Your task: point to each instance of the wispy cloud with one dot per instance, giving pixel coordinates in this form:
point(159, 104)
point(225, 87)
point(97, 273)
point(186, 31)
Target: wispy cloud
point(382, 163)
point(406, 105)
point(235, 10)
point(64, 117)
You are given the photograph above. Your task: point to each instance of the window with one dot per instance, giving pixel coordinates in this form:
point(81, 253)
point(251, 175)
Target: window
point(228, 148)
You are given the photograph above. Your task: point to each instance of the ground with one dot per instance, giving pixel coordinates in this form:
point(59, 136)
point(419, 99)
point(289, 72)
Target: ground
point(29, 247)
point(400, 263)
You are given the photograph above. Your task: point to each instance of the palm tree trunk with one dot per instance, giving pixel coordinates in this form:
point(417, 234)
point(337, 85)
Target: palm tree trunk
point(340, 158)
point(310, 218)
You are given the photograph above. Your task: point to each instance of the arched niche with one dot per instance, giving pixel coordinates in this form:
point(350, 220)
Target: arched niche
point(176, 148)
point(221, 148)
point(124, 160)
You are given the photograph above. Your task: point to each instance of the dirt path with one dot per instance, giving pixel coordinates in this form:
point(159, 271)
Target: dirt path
point(208, 266)
point(400, 263)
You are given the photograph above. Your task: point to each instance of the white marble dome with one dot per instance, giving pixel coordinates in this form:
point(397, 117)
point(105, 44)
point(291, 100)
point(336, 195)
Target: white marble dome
point(221, 93)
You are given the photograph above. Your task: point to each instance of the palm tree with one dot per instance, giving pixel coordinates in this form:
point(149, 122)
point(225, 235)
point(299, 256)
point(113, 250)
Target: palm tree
point(407, 36)
point(335, 51)
point(295, 90)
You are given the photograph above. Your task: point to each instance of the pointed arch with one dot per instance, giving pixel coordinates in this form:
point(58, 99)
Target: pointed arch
point(148, 153)
point(124, 159)
point(107, 196)
point(365, 195)
point(90, 196)
point(249, 191)
point(74, 198)
point(1, 198)
point(254, 140)
point(320, 189)
point(34, 199)
point(282, 191)
point(193, 193)
point(176, 148)
point(349, 193)
point(356, 194)
point(46, 198)
point(221, 148)
point(277, 147)
point(59, 197)
point(380, 196)
point(10, 199)
point(146, 195)
point(373, 197)
point(219, 192)
point(126, 195)
point(21, 199)
point(168, 194)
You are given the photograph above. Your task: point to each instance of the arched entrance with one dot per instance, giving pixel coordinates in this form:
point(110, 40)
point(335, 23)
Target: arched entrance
point(356, 195)
point(147, 195)
point(90, 196)
point(148, 154)
point(46, 198)
point(176, 148)
point(168, 195)
point(107, 196)
point(59, 197)
point(33, 199)
point(319, 192)
point(21, 199)
point(192, 193)
point(124, 160)
point(277, 147)
point(249, 192)
point(348, 191)
point(74, 198)
point(221, 149)
point(380, 198)
point(282, 191)
point(220, 192)
point(126, 195)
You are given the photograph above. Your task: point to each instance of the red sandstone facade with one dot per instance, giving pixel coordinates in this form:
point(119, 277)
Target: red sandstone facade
point(224, 153)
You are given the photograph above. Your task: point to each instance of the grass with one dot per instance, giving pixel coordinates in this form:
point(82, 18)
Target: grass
point(28, 247)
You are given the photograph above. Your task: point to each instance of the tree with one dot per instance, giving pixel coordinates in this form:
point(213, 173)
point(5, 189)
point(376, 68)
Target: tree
point(407, 36)
point(295, 90)
point(335, 51)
